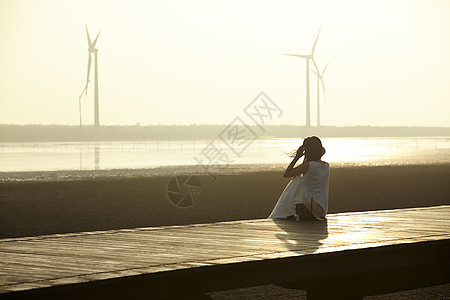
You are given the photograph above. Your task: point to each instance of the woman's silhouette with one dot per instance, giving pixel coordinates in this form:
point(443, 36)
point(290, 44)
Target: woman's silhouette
point(306, 195)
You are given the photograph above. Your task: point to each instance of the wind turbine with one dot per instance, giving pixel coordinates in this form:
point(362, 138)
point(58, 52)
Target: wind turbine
point(91, 50)
point(319, 77)
point(308, 57)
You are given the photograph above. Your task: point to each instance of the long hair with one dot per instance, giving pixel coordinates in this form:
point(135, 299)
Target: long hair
point(313, 149)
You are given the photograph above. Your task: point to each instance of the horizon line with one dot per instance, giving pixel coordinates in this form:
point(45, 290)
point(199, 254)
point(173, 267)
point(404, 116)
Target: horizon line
point(206, 124)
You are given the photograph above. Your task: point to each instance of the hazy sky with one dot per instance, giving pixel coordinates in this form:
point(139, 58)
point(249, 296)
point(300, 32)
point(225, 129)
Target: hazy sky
point(184, 62)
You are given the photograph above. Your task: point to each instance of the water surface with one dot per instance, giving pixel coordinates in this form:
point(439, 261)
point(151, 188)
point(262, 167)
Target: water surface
point(210, 154)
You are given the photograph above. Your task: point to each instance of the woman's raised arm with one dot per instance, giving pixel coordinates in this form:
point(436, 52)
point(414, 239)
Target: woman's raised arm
point(302, 169)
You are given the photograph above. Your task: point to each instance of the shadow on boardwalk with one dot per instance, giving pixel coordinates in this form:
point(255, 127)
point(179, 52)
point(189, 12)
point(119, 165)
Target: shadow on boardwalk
point(302, 237)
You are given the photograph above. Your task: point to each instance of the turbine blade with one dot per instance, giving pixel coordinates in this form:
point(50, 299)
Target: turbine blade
point(82, 92)
point(315, 42)
point(318, 72)
point(88, 37)
point(324, 92)
point(315, 65)
point(314, 72)
point(95, 41)
point(321, 77)
point(299, 55)
point(323, 72)
point(88, 70)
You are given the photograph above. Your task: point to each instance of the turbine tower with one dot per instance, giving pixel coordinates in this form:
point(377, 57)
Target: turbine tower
point(319, 77)
point(91, 50)
point(308, 57)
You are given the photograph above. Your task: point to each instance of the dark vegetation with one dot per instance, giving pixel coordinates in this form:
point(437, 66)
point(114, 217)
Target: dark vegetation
point(55, 133)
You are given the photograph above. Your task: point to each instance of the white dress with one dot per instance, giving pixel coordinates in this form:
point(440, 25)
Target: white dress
point(311, 189)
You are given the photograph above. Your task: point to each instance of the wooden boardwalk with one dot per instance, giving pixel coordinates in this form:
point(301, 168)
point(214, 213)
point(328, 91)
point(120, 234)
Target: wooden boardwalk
point(172, 261)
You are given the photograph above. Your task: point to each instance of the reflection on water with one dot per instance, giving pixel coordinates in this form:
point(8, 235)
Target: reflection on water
point(97, 158)
point(149, 154)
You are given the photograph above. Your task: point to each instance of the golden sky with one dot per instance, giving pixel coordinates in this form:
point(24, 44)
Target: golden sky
point(184, 62)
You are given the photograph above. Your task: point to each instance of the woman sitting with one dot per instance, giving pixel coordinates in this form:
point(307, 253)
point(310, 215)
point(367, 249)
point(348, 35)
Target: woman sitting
point(306, 195)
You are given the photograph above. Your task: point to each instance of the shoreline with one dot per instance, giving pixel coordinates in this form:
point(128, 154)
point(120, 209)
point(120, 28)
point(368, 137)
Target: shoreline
point(236, 169)
point(61, 175)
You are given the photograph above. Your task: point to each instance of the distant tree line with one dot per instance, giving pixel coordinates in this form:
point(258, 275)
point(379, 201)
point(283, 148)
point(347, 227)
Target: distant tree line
point(54, 133)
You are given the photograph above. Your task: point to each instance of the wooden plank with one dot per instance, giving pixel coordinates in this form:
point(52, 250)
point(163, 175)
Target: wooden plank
point(63, 259)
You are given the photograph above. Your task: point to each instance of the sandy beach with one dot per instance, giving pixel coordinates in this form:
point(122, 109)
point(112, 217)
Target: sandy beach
point(42, 207)
point(31, 208)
